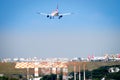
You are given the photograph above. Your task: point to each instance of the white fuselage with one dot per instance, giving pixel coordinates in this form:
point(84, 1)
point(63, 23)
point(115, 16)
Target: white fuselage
point(54, 13)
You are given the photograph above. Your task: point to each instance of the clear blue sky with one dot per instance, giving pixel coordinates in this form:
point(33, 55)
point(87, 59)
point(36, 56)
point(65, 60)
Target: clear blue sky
point(93, 29)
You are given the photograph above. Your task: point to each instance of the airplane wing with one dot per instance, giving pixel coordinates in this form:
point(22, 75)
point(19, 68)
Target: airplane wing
point(43, 13)
point(64, 14)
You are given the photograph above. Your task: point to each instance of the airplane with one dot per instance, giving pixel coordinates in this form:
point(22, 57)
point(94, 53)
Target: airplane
point(55, 13)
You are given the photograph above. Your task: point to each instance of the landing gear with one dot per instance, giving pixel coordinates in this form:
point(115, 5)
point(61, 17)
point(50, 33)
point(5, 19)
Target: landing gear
point(50, 17)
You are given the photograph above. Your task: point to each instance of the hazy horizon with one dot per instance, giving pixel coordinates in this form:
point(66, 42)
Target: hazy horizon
point(93, 29)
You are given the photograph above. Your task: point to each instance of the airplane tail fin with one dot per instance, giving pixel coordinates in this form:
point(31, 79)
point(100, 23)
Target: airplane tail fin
point(57, 7)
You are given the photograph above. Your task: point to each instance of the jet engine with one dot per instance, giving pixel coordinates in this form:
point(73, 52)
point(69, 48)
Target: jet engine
point(60, 16)
point(48, 16)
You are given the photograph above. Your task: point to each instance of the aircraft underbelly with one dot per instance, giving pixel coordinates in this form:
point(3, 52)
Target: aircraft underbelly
point(54, 14)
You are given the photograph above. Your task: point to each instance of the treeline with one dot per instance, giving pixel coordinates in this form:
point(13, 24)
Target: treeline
point(6, 78)
point(104, 72)
point(96, 74)
point(13, 77)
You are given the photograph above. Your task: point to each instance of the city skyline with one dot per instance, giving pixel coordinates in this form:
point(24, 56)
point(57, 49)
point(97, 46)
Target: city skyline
point(92, 29)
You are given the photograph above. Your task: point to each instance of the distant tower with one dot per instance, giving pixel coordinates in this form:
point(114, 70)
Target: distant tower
point(65, 72)
point(79, 72)
point(36, 69)
point(84, 70)
point(74, 71)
